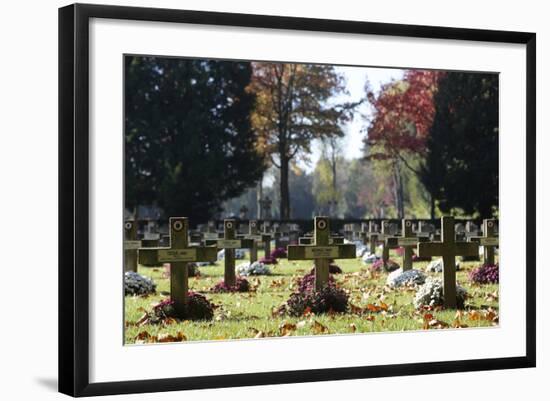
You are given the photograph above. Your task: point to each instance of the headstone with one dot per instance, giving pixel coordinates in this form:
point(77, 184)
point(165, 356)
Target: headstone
point(131, 246)
point(387, 233)
point(448, 249)
point(266, 239)
point(179, 254)
point(229, 244)
point(255, 237)
point(322, 252)
point(407, 241)
point(374, 236)
point(488, 241)
point(470, 230)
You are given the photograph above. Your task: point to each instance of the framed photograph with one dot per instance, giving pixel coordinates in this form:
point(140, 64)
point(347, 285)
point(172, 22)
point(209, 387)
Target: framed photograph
point(251, 199)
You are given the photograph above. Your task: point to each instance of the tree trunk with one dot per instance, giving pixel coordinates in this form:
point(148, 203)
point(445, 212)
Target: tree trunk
point(285, 197)
point(259, 198)
point(399, 192)
point(432, 206)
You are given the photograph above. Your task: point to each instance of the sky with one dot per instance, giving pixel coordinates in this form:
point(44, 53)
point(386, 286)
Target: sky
point(352, 143)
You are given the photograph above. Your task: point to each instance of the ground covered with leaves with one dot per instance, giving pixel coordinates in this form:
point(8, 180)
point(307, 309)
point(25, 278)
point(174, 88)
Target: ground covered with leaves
point(373, 306)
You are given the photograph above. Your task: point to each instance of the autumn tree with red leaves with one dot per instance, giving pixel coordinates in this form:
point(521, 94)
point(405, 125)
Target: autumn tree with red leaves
point(403, 113)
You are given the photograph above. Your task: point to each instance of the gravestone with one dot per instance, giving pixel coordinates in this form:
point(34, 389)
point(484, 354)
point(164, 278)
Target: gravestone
point(407, 241)
point(179, 254)
point(470, 230)
point(229, 243)
point(131, 246)
point(331, 240)
point(255, 237)
point(448, 249)
point(266, 239)
point(489, 241)
point(364, 234)
point(387, 233)
point(374, 236)
point(321, 252)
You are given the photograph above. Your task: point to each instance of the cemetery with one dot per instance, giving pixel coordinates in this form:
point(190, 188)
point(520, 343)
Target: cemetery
point(248, 215)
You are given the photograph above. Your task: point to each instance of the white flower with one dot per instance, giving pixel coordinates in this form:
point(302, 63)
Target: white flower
point(256, 269)
point(431, 294)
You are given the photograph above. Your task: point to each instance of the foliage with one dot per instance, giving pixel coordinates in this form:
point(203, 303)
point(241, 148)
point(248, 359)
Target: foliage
point(403, 113)
point(268, 260)
point(389, 266)
point(278, 253)
point(241, 285)
point(461, 166)
point(485, 274)
point(197, 308)
point(292, 108)
point(330, 299)
point(170, 104)
point(253, 269)
point(136, 284)
point(431, 294)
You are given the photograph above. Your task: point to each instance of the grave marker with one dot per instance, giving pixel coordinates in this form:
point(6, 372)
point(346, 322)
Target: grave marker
point(488, 241)
point(408, 242)
point(266, 239)
point(178, 254)
point(131, 245)
point(322, 252)
point(387, 233)
point(373, 236)
point(448, 249)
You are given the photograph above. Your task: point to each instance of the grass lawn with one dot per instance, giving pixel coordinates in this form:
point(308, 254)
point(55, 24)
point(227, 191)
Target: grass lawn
point(376, 307)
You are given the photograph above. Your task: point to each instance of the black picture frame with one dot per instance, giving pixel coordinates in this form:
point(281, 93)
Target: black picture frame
point(74, 198)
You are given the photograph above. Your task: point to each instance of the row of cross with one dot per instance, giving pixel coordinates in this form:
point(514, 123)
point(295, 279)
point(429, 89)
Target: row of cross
point(322, 248)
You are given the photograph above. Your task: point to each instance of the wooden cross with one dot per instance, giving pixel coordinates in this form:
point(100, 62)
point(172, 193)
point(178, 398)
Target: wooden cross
point(407, 241)
point(229, 243)
point(489, 241)
point(254, 236)
point(448, 249)
point(321, 252)
point(266, 239)
point(178, 254)
point(310, 240)
point(387, 245)
point(131, 245)
point(373, 236)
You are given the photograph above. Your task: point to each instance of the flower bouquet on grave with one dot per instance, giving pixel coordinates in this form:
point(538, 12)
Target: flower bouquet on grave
point(197, 308)
point(430, 294)
point(306, 299)
point(241, 285)
point(378, 266)
point(136, 284)
point(268, 260)
point(278, 253)
point(253, 269)
point(485, 274)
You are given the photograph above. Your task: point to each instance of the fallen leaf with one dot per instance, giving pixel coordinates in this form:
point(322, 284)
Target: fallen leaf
point(169, 338)
point(285, 329)
point(318, 328)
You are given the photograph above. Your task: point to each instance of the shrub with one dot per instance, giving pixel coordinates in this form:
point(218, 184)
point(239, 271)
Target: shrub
point(197, 308)
point(485, 274)
point(241, 285)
